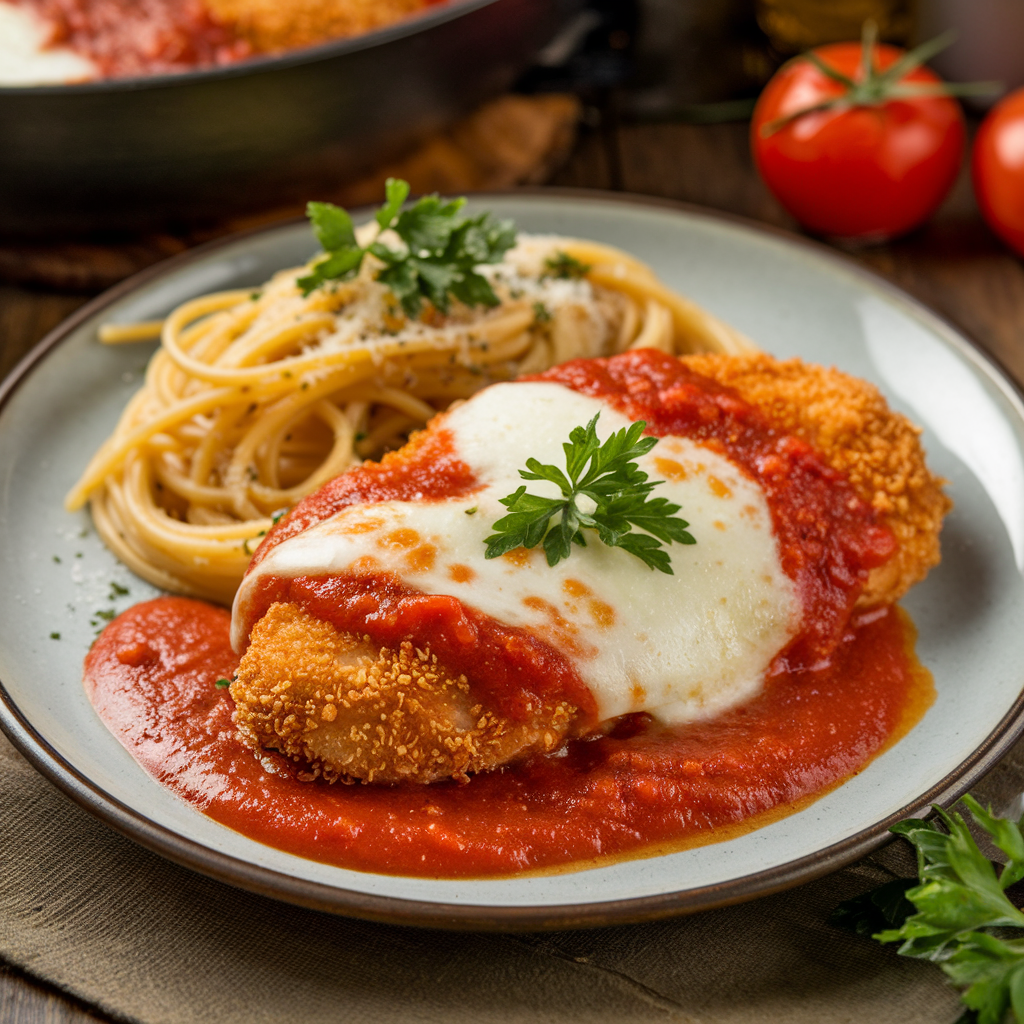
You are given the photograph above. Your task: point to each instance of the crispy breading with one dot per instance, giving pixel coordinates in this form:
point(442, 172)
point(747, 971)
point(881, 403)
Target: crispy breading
point(271, 25)
point(347, 710)
point(879, 451)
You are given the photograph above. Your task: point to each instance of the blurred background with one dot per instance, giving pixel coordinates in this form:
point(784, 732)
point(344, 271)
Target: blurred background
point(102, 179)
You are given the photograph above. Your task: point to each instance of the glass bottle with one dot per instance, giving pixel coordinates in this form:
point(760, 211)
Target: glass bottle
point(796, 25)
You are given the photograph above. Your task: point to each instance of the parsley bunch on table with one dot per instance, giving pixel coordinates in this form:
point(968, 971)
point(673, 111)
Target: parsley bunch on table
point(441, 249)
point(603, 490)
point(956, 913)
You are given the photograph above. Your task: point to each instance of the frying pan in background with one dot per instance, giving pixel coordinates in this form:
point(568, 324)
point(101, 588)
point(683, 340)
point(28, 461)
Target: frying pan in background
point(142, 152)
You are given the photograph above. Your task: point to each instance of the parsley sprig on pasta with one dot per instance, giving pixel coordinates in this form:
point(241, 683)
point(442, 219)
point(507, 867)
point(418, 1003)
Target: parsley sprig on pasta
point(259, 395)
point(437, 261)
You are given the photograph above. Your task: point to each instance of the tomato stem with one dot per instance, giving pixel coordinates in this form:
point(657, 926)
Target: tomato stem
point(874, 88)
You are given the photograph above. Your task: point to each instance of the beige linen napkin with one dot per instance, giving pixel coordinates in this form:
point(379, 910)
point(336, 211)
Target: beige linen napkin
point(89, 911)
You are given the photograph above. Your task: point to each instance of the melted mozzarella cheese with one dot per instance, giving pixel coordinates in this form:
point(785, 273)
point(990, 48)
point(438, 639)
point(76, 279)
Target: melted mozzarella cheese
point(26, 60)
point(681, 647)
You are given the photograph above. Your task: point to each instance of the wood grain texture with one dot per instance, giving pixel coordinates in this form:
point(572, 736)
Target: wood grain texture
point(954, 264)
point(24, 1001)
point(25, 317)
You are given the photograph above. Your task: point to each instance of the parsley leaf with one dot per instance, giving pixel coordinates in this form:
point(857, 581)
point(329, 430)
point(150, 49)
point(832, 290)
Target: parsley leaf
point(957, 913)
point(563, 265)
point(614, 491)
point(396, 192)
point(438, 259)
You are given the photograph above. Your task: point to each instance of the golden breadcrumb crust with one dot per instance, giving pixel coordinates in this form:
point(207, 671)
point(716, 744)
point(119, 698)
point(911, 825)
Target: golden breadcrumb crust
point(346, 710)
point(283, 24)
point(849, 422)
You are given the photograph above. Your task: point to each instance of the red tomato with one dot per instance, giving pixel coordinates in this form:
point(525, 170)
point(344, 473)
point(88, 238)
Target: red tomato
point(997, 166)
point(856, 171)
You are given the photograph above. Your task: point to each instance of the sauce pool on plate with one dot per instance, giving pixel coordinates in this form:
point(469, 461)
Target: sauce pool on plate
point(845, 686)
point(152, 678)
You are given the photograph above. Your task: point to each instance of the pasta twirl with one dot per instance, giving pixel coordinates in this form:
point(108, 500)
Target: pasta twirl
point(254, 400)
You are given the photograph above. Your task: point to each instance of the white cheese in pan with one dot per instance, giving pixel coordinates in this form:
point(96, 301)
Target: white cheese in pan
point(681, 647)
point(26, 60)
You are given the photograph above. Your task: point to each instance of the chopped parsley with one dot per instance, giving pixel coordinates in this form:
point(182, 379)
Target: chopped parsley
point(562, 265)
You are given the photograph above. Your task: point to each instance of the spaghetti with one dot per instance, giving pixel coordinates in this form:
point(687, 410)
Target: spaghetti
point(255, 399)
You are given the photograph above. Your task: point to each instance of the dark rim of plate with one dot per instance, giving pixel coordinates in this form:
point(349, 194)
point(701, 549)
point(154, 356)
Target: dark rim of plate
point(436, 15)
point(481, 917)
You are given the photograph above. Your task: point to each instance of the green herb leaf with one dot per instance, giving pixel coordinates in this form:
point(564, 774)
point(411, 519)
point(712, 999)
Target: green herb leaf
point(614, 490)
point(222, 684)
point(565, 266)
point(396, 192)
point(332, 226)
point(875, 910)
point(955, 904)
point(437, 262)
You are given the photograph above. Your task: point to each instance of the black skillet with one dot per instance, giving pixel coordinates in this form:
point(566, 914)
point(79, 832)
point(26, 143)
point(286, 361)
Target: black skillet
point(142, 152)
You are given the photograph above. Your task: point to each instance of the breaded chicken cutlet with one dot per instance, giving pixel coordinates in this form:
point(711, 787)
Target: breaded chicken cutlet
point(273, 25)
point(849, 422)
point(349, 710)
point(346, 709)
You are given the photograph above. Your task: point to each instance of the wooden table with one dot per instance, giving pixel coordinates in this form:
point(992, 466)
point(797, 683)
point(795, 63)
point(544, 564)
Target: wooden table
point(955, 265)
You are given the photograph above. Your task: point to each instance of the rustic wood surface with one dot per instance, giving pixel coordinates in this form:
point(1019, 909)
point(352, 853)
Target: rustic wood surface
point(955, 265)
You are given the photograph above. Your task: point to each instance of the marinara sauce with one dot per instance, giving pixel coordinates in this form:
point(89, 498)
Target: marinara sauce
point(141, 37)
point(845, 687)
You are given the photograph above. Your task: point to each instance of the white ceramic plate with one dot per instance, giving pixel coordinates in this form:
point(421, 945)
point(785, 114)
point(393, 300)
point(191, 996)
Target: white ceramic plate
point(791, 298)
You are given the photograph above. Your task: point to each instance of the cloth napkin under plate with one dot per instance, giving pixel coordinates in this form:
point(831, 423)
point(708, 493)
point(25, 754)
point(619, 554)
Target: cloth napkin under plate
point(92, 913)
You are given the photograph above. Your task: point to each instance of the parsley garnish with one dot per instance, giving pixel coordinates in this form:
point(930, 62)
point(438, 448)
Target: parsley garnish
point(55, 636)
point(249, 540)
point(437, 262)
point(541, 313)
point(616, 488)
point(948, 915)
point(118, 590)
point(222, 683)
point(565, 266)
point(278, 516)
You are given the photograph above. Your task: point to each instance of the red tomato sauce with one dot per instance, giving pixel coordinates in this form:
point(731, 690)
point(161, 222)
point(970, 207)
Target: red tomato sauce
point(828, 538)
point(152, 678)
point(834, 698)
point(141, 37)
